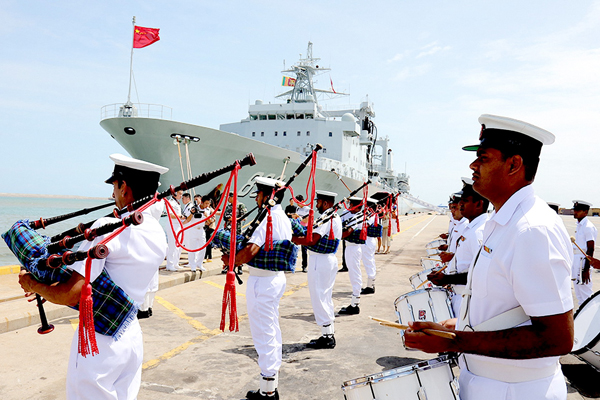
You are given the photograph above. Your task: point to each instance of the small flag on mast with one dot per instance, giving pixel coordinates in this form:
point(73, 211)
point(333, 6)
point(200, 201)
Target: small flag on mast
point(332, 89)
point(143, 37)
point(287, 81)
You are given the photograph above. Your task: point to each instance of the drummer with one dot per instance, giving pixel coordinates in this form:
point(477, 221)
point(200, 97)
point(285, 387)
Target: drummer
point(516, 317)
point(457, 224)
point(453, 208)
point(473, 207)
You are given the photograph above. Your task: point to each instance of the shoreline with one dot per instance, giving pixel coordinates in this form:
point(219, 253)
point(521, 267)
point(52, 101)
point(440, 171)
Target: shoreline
point(52, 196)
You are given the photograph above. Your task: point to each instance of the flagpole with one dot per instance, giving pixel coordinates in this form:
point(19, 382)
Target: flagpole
point(131, 64)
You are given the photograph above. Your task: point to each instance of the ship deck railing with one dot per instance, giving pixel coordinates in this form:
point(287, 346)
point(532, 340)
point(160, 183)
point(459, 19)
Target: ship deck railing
point(143, 110)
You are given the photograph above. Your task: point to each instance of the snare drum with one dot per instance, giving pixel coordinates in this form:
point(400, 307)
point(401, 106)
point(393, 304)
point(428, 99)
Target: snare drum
point(431, 380)
point(424, 305)
point(587, 332)
point(421, 277)
point(432, 252)
point(435, 244)
point(431, 262)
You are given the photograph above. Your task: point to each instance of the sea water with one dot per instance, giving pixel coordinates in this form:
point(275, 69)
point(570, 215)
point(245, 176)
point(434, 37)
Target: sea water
point(14, 208)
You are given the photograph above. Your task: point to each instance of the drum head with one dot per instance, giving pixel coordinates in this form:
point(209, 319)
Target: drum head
point(587, 325)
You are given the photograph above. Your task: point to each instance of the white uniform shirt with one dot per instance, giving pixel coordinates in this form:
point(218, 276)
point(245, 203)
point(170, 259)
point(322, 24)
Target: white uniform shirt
point(134, 256)
point(525, 261)
point(282, 227)
point(459, 227)
point(584, 232)
point(176, 207)
point(324, 229)
point(468, 245)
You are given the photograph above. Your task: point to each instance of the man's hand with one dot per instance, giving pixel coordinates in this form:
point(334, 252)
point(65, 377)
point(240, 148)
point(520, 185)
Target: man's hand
point(594, 262)
point(415, 338)
point(437, 278)
point(585, 276)
point(444, 236)
point(446, 256)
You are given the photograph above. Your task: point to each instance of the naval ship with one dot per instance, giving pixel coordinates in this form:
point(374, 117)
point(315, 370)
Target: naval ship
point(280, 135)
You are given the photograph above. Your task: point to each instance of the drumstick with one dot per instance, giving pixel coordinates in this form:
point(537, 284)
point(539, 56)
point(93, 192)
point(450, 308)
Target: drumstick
point(431, 259)
point(575, 243)
point(434, 332)
point(422, 283)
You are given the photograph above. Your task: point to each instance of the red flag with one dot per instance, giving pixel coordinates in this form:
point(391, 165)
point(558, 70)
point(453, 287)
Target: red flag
point(143, 37)
point(332, 89)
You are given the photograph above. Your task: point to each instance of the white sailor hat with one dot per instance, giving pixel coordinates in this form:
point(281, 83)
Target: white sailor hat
point(263, 183)
point(581, 205)
point(355, 199)
point(371, 200)
point(554, 206)
point(502, 133)
point(455, 197)
point(131, 168)
point(325, 195)
point(466, 181)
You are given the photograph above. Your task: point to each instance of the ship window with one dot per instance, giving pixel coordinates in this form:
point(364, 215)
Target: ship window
point(271, 117)
point(253, 117)
point(299, 116)
point(284, 133)
point(309, 116)
point(280, 116)
point(253, 134)
point(262, 117)
point(290, 116)
point(275, 133)
point(262, 134)
point(307, 133)
point(298, 133)
point(324, 150)
point(330, 134)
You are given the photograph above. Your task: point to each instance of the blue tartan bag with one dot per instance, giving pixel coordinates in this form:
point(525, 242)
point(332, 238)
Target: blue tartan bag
point(375, 231)
point(355, 237)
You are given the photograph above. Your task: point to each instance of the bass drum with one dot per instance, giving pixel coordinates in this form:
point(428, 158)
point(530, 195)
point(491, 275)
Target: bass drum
point(586, 345)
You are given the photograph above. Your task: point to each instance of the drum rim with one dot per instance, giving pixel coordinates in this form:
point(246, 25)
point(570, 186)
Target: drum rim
point(402, 371)
point(421, 272)
point(588, 346)
point(414, 292)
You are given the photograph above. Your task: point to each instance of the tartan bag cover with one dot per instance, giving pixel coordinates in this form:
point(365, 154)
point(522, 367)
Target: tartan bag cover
point(281, 258)
point(297, 228)
point(113, 309)
point(355, 237)
point(222, 240)
point(323, 246)
point(375, 231)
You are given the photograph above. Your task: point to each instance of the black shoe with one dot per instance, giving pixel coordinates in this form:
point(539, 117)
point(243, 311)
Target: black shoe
point(143, 314)
point(224, 270)
point(368, 290)
point(255, 394)
point(343, 269)
point(240, 272)
point(304, 270)
point(324, 342)
point(150, 312)
point(350, 310)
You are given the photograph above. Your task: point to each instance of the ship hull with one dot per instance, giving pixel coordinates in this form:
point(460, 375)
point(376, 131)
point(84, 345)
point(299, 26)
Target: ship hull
point(153, 142)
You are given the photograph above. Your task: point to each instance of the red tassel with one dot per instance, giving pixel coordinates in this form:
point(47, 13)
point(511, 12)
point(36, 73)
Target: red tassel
point(363, 232)
point(269, 235)
point(331, 234)
point(87, 333)
point(376, 220)
point(311, 221)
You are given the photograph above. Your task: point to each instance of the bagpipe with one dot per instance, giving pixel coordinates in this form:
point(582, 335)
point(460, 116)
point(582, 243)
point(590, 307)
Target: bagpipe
point(269, 255)
point(34, 252)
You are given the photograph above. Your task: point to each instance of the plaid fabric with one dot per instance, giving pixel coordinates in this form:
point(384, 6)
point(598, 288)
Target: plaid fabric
point(281, 258)
point(222, 240)
point(355, 237)
point(325, 246)
point(113, 309)
point(375, 231)
point(297, 228)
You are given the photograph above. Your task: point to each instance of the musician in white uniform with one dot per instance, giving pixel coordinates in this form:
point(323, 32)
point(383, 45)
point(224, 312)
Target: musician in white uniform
point(174, 251)
point(134, 256)
point(195, 235)
point(474, 208)
point(585, 237)
point(353, 223)
point(517, 312)
point(266, 285)
point(322, 269)
point(368, 250)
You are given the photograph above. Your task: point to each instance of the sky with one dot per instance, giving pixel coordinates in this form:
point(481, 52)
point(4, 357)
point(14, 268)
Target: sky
point(430, 69)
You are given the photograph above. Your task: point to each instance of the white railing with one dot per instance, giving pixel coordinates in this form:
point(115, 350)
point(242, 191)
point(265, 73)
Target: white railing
point(137, 110)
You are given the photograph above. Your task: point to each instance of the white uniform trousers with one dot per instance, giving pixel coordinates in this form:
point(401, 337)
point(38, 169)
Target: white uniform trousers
point(152, 289)
point(473, 387)
point(262, 300)
point(353, 255)
point(173, 252)
point(368, 256)
point(114, 373)
point(322, 269)
point(195, 238)
point(583, 291)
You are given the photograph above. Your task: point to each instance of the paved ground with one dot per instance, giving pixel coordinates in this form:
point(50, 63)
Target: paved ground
point(186, 356)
